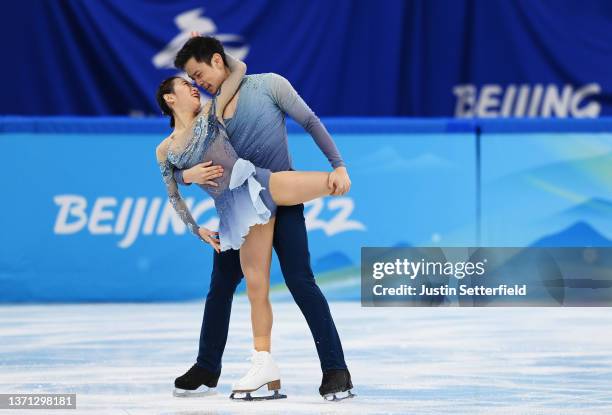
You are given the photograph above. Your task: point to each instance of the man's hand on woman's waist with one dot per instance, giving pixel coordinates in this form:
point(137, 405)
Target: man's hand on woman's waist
point(203, 173)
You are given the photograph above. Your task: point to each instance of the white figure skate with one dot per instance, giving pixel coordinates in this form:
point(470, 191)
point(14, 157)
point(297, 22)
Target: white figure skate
point(263, 372)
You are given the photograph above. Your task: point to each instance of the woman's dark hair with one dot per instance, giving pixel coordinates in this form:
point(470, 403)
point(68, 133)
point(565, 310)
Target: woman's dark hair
point(166, 87)
point(201, 48)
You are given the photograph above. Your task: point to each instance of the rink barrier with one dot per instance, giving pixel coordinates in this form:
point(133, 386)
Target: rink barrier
point(107, 163)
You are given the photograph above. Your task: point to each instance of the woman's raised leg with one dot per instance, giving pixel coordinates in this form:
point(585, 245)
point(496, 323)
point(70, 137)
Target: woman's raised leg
point(290, 188)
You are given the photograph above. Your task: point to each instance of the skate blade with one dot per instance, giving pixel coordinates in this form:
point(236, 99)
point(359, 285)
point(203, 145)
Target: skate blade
point(248, 396)
point(199, 392)
point(339, 396)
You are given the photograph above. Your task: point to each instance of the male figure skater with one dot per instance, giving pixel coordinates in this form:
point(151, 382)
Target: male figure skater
point(255, 121)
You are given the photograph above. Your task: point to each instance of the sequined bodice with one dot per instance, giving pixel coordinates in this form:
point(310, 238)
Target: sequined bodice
point(208, 141)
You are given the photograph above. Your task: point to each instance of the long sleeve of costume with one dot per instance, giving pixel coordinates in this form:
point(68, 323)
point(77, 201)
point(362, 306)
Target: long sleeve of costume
point(288, 100)
point(174, 195)
point(178, 177)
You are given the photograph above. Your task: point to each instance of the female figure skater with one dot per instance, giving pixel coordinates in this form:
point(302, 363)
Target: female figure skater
point(246, 197)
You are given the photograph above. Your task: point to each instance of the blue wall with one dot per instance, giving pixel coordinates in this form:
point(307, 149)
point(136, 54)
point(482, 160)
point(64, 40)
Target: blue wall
point(85, 215)
point(461, 58)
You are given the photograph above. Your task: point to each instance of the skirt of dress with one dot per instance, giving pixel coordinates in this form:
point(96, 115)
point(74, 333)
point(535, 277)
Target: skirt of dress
point(246, 202)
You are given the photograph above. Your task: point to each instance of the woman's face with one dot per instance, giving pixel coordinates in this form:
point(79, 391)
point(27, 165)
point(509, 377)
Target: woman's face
point(187, 95)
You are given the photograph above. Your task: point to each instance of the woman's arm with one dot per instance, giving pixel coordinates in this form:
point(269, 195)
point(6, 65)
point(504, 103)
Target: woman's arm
point(174, 196)
point(231, 84)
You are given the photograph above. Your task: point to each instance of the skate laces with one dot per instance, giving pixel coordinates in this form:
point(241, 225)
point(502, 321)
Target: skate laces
point(257, 361)
point(257, 356)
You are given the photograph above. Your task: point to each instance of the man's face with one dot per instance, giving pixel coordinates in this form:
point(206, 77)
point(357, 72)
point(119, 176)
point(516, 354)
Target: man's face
point(210, 77)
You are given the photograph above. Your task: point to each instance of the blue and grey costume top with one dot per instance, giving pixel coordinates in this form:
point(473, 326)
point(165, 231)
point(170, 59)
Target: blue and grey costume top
point(248, 157)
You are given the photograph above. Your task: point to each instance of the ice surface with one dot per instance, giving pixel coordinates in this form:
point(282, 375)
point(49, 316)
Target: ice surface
point(123, 358)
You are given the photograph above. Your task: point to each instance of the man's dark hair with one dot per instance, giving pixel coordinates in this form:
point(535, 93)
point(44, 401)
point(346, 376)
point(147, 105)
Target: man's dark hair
point(201, 48)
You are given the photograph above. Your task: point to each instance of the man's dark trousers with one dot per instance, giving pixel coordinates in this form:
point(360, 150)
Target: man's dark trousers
point(291, 246)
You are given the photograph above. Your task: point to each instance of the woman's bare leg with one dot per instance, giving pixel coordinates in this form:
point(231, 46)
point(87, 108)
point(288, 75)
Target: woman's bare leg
point(255, 260)
point(290, 188)
point(287, 188)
